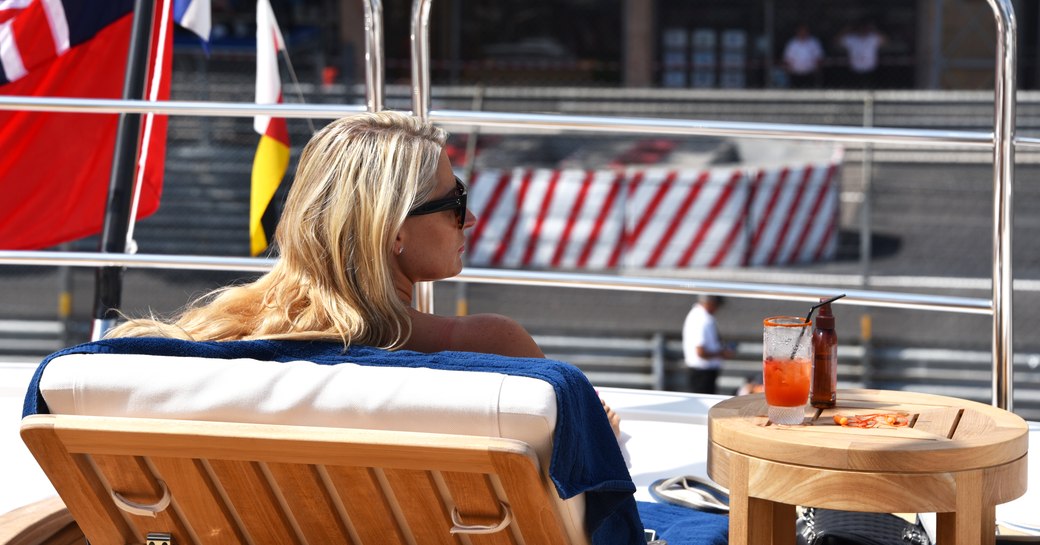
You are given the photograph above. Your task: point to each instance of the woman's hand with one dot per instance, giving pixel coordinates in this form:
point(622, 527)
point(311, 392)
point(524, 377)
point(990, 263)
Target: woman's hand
point(615, 420)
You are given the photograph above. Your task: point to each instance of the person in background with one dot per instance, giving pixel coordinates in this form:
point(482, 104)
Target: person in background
point(862, 44)
point(802, 57)
point(703, 350)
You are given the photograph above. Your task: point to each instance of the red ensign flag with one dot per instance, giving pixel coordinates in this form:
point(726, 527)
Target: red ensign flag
point(55, 167)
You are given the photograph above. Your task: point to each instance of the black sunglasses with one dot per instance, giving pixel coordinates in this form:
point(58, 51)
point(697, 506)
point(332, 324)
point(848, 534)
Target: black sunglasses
point(456, 203)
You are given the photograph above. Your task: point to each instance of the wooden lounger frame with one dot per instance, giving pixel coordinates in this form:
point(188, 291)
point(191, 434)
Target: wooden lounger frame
point(271, 484)
point(46, 522)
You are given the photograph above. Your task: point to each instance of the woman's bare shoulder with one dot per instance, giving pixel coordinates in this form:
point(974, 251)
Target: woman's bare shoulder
point(494, 334)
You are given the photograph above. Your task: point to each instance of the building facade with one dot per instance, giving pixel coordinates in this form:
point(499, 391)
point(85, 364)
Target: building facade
point(924, 44)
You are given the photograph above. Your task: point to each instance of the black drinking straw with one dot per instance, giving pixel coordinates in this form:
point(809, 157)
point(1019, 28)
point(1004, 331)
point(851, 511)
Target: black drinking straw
point(808, 318)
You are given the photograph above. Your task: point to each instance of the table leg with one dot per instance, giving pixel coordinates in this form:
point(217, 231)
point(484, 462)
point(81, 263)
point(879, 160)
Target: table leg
point(783, 516)
point(946, 528)
point(765, 523)
point(978, 526)
point(739, 505)
point(974, 521)
point(754, 521)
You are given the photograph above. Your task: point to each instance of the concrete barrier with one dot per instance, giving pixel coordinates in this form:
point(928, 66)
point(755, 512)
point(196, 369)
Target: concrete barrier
point(656, 217)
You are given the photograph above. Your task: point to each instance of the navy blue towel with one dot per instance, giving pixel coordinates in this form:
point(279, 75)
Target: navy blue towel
point(684, 526)
point(585, 457)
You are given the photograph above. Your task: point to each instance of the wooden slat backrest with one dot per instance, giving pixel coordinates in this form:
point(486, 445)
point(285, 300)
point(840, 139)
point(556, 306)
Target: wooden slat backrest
point(131, 476)
point(482, 508)
point(260, 484)
point(312, 505)
point(367, 502)
point(198, 499)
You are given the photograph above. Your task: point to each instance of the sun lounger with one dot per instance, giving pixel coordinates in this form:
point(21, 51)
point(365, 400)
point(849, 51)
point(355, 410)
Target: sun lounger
point(214, 450)
point(129, 480)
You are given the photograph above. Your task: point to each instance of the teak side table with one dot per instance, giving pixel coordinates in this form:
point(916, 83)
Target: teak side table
point(958, 459)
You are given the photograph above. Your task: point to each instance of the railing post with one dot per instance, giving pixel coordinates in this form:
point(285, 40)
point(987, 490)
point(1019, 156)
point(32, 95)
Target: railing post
point(866, 236)
point(866, 336)
point(421, 58)
point(937, 61)
point(866, 205)
point(65, 299)
point(423, 296)
point(461, 291)
point(1003, 178)
point(658, 364)
point(374, 72)
point(769, 24)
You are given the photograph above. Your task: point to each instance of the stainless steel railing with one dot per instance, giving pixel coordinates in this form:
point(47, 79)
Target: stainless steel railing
point(929, 138)
point(1002, 141)
point(1003, 177)
point(782, 292)
point(375, 91)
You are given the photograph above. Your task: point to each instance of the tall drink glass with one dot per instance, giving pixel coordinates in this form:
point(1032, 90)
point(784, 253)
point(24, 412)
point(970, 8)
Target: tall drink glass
point(787, 367)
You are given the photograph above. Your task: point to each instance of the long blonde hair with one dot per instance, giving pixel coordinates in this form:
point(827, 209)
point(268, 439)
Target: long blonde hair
point(356, 180)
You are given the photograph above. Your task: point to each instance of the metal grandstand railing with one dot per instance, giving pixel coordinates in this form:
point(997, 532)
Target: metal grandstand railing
point(1002, 141)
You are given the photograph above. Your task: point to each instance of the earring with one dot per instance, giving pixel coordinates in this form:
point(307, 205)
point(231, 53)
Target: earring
point(400, 250)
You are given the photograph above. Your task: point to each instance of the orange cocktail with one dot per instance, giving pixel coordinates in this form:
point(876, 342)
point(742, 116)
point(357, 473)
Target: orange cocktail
point(786, 381)
point(786, 367)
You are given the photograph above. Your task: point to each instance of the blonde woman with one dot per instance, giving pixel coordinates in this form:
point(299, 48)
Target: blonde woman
point(374, 208)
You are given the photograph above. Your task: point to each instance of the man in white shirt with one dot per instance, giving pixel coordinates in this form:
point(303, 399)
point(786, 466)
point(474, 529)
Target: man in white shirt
point(702, 348)
point(802, 57)
point(862, 45)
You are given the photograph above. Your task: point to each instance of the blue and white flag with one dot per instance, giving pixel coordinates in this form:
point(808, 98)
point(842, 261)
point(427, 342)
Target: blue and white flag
point(193, 15)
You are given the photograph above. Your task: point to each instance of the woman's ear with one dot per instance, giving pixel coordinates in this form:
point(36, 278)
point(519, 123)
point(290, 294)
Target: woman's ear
point(398, 244)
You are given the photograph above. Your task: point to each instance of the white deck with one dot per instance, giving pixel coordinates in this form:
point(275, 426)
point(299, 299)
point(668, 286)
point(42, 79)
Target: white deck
point(666, 436)
point(23, 482)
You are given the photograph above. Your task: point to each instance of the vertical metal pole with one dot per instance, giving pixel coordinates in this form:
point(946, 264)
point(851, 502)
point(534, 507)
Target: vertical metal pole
point(866, 205)
point(455, 70)
point(866, 237)
point(65, 299)
point(866, 336)
point(1003, 178)
point(657, 361)
point(108, 285)
point(935, 74)
point(461, 290)
point(374, 72)
point(1036, 61)
point(769, 14)
point(421, 58)
point(422, 299)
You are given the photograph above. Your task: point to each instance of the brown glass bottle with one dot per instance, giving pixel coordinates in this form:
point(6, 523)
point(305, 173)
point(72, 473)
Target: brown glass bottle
point(825, 360)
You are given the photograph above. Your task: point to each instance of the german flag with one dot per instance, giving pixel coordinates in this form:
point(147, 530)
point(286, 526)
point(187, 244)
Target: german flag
point(272, 154)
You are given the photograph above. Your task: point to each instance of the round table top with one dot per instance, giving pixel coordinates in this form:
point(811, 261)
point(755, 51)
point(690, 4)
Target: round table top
point(944, 434)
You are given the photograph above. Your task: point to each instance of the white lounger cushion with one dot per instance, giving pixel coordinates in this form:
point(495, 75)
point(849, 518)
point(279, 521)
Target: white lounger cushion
point(306, 393)
point(303, 393)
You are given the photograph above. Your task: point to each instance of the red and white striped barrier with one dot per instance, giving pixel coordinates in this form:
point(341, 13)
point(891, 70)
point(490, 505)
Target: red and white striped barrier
point(654, 218)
